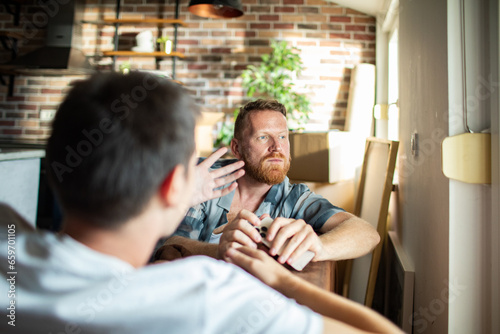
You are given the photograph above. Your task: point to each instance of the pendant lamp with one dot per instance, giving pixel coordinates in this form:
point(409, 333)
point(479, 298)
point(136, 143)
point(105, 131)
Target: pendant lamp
point(216, 9)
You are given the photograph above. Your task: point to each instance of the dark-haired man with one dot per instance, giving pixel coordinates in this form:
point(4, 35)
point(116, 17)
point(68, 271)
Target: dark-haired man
point(261, 142)
point(126, 192)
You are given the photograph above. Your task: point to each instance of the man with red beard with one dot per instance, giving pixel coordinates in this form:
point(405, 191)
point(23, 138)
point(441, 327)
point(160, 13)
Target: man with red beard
point(261, 142)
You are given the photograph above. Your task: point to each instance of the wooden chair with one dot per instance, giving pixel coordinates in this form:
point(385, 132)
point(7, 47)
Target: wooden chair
point(372, 205)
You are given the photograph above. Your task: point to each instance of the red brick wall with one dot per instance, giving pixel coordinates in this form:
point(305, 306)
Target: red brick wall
point(332, 40)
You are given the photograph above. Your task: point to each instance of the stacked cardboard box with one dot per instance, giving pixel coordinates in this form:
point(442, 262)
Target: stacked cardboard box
point(330, 156)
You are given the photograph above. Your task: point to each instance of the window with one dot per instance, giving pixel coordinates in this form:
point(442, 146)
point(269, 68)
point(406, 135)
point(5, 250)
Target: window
point(393, 86)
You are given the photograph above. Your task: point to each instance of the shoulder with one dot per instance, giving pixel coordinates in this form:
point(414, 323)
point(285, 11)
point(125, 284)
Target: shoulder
point(293, 190)
point(192, 270)
point(10, 218)
point(207, 285)
point(299, 187)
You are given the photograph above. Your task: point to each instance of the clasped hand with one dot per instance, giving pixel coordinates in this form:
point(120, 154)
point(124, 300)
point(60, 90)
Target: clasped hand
point(242, 232)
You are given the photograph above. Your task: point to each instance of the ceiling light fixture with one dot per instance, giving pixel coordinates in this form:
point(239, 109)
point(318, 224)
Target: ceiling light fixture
point(216, 9)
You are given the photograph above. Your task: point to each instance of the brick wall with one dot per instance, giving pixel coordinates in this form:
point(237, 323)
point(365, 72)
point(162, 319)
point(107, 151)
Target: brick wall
point(332, 40)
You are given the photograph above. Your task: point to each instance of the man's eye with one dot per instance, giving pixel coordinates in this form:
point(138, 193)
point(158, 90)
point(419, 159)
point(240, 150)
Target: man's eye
point(262, 137)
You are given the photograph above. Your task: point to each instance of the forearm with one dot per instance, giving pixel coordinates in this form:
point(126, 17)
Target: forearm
point(195, 247)
point(352, 238)
point(340, 314)
point(335, 307)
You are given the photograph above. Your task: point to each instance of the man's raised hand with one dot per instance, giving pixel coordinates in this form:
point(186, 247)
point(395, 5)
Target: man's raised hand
point(208, 181)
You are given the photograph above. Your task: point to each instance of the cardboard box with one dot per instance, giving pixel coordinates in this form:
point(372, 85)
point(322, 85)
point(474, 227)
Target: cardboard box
point(204, 132)
point(340, 194)
point(330, 156)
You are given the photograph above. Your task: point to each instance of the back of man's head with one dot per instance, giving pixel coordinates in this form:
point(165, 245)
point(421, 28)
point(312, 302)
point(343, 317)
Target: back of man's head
point(241, 122)
point(114, 140)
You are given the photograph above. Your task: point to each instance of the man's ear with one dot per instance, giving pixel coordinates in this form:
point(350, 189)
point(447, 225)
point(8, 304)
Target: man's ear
point(235, 148)
point(173, 186)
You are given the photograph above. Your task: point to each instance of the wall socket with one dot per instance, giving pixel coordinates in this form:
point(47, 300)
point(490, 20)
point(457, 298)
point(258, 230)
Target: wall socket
point(47, 115)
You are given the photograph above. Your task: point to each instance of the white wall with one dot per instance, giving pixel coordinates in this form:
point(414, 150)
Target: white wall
point(470, 309)
point(423, 196)
point(495, 198)
point(19, 182)
point(450, 230)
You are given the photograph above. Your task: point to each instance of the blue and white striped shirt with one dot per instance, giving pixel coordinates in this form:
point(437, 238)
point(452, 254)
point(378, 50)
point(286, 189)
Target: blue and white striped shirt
point(286, 200)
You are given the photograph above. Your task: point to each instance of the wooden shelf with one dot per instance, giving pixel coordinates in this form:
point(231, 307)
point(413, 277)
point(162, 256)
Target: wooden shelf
point(9, 40)
point(11, 34)
point(143, 54)
point(15, 10)
point(150, 21)
point(5, 70)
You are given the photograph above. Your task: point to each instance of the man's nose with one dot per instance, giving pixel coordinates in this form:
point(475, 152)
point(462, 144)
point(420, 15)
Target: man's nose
point(276, 145)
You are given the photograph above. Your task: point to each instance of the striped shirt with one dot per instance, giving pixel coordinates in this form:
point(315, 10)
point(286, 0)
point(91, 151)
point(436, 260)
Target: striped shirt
point(286, 200)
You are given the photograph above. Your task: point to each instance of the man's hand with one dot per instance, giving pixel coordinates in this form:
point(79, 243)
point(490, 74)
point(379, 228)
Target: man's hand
point(208, 181)
point(302, 238)
point(239, 232)
point(259, 264)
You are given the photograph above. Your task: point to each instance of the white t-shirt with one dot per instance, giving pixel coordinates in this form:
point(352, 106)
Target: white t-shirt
point(58, 285)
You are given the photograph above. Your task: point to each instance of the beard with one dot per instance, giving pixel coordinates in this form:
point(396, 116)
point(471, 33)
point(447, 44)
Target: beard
point(270, 175)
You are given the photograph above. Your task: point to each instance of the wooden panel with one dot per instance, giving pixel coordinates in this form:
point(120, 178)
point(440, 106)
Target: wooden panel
point(400, 285)
point(11, 34)
point(321, 274)
point(148, 21)
point(372, 205)
point(143, 54)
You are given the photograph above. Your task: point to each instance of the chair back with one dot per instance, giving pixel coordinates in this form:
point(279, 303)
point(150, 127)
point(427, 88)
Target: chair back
point(372, 205)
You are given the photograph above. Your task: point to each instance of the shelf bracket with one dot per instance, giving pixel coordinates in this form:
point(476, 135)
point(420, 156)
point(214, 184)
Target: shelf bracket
point(116, 40)
point(14, 8)
point(9, 83)
point(12, 46)
point(174, 59)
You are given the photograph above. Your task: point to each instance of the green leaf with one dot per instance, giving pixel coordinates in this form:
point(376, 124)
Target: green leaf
point(272, 78)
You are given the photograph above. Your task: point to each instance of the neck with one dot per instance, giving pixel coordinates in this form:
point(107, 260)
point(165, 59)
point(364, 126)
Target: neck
point(132, 242)
point(249, 188)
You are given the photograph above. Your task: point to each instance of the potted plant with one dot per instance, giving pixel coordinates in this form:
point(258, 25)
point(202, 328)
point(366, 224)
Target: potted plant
point(125, 67)
point(273, 79)
point(165, 44)
point(225, 133)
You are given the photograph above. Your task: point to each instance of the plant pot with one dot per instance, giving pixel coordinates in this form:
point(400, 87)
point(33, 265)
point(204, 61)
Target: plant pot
point(166, 46)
